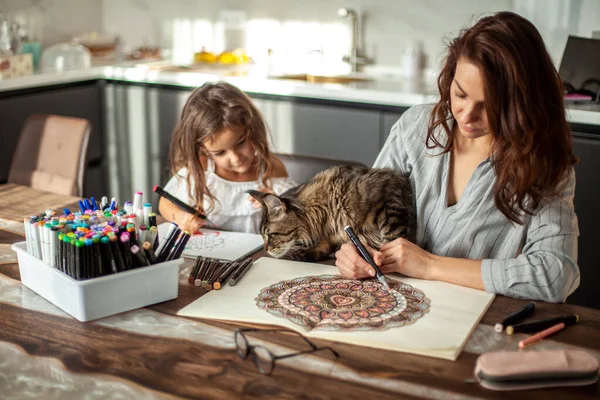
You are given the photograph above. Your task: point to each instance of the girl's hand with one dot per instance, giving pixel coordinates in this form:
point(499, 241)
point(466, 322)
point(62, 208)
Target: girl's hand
point(256, 203)
point(188, 222)
point(351, 264)
point(407, 258)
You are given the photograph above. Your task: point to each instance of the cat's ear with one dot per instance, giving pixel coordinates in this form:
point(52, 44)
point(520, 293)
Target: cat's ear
point(274, 204)
point(258, 195)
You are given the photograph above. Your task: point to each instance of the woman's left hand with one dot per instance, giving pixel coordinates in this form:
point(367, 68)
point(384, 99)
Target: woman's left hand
point(256, 203)
point(407, 258)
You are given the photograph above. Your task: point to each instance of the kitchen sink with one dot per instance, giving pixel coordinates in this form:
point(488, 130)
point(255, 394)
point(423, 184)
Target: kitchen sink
point(343, 79)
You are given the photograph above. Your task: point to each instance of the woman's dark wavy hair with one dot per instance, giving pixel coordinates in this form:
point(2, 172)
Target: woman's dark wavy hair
point(209, 109)
point(532, 150)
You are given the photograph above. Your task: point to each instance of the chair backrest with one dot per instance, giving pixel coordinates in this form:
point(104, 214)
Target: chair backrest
point(301, 168)
point(51, 154)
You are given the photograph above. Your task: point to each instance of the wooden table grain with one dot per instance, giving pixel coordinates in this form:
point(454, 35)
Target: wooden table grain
point(152, 353)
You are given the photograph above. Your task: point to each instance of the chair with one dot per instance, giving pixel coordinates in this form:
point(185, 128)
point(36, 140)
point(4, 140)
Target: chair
point(51, 154)
point(301, 168)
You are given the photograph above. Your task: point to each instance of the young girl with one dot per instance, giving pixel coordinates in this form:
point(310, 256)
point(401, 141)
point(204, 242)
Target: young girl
point(218, 152)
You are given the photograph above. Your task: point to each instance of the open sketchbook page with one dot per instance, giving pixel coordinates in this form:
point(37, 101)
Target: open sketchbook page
point(218, 244)
point(442, 332)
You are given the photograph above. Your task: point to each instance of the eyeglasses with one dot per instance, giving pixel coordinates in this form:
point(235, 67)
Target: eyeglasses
point(262, 357)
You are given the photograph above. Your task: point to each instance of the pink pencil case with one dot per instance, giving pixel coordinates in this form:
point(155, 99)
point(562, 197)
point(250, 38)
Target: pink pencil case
point(521, 370)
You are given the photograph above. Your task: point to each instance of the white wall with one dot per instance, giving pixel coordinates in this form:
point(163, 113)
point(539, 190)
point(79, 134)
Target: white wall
point(557, 19)
point(298, 29)
point(53, 21)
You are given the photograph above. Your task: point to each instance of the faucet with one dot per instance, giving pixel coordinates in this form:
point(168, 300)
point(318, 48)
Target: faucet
point(356, 58)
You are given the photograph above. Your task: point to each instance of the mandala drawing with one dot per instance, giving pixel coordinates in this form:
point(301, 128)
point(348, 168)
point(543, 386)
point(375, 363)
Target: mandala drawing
point(333, 302)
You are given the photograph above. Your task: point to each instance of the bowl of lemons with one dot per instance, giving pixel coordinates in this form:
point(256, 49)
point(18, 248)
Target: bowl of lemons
point(231, 57)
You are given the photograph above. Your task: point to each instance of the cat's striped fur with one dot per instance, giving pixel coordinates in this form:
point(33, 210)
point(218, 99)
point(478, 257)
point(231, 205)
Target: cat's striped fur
point(307, 222)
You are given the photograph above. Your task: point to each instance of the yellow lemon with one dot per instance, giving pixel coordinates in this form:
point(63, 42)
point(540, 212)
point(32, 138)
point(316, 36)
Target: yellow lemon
point(226, 58)
point(205, 56)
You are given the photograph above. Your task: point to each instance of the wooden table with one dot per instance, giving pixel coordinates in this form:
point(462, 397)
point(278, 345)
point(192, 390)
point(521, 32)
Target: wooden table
point(151, 353)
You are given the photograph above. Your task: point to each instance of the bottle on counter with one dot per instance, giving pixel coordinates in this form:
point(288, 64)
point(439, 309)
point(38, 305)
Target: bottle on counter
point(412, 59)
point(5, 48)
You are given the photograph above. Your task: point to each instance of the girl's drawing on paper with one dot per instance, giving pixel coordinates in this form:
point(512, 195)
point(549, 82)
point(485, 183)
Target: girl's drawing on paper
point(206, 241)
point(333, 302)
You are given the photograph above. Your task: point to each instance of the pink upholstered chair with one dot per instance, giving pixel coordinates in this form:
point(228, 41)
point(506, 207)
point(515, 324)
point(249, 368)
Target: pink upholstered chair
point(51, 154)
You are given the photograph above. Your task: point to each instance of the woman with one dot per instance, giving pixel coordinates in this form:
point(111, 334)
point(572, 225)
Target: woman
point(491, 166)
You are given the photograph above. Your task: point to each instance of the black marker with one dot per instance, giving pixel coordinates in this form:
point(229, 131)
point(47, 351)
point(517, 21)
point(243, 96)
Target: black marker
point(173, 227)
point(180, 204)
point(365, 254)
point(240, 271)
point(126, 250)
point(537, 326)
point(79, 260)
point(179, 246)
point(194, 270)
point(139, 255)
point(147, 246)
point(204, 264)
point(114, 246)
point(97, 257)
point(225, 275)
point(515, 317)
point(169, 243)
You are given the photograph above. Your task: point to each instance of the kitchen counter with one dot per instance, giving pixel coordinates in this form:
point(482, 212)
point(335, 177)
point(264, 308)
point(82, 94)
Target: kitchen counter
point(381, 89)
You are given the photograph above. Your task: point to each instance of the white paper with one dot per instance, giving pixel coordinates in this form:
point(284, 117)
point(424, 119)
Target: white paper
point(218, 244)
point(442, 332)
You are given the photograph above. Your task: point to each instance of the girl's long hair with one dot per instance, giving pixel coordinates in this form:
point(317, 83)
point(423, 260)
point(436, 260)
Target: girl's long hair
point(532, 150)
point(209, 109)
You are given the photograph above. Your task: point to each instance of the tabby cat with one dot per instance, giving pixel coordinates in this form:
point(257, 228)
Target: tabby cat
point(307, 222)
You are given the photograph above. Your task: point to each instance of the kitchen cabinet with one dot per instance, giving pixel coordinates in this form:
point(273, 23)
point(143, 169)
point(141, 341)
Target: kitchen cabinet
point(139, 124)
point(587, 193)
point(323, 130)
point(82, 101)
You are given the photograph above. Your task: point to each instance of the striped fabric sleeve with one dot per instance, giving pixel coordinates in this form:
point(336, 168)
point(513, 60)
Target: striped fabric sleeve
point(547, 267)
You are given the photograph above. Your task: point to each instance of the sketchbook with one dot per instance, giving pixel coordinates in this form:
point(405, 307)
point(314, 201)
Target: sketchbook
point(440, 328)
point(224, 245)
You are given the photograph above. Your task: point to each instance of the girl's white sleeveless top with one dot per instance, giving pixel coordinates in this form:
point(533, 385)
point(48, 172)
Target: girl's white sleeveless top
point(232, 210)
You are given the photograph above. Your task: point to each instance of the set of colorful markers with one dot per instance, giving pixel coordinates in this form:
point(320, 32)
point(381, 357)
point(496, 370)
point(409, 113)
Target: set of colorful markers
point(97, 240)
point(212, 273)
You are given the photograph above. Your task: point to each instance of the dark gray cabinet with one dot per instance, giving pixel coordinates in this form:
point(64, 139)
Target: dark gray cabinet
point(82, 101)
point(336, 132)
point(139, 123)
point(587, 193)
point(324, 130)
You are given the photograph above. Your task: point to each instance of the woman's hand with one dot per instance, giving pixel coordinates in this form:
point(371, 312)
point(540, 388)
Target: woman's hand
point(256, 203)
point(351, 264)
point(399, 255)
point(407, 258)
point(188, 222)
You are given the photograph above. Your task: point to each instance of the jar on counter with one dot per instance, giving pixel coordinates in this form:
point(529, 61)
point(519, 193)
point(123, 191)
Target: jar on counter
point(412, 59)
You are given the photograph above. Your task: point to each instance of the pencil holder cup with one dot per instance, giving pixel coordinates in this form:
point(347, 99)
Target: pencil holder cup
point(95, 298)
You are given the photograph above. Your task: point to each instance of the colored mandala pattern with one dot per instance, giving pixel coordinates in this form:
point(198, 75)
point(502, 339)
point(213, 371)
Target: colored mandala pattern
point(335, 303)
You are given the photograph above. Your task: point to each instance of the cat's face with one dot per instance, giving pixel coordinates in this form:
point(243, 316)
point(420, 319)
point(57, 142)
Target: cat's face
point(282, 226)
